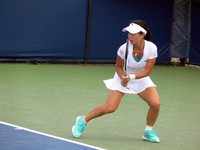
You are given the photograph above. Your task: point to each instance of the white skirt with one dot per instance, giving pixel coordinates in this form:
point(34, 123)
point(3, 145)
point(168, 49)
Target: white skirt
point(134, 86)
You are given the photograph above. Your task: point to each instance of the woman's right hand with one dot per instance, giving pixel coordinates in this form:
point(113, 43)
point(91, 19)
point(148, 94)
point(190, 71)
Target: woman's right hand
point(125, 80)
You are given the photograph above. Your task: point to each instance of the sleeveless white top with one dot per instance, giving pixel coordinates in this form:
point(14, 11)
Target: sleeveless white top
point(133, 66)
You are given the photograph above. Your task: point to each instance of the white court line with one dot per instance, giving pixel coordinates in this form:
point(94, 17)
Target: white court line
point(48, 135)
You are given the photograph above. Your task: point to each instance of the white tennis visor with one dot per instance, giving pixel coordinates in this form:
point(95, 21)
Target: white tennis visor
point(134, 28)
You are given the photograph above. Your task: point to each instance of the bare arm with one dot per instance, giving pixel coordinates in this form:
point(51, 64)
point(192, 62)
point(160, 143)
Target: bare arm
point(119, 66)
point(149, 66)
point(119, 69)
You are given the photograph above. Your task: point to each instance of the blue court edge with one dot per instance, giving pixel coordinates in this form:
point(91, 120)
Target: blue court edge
point(13, 137)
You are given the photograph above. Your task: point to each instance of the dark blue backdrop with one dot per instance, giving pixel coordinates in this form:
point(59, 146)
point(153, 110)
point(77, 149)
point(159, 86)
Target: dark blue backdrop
point(194, 57)
point(110, 16)
point(42, 29)
point(56, 30)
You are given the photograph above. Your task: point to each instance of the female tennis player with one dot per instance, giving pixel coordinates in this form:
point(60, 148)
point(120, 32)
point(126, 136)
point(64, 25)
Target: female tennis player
point(141, 59)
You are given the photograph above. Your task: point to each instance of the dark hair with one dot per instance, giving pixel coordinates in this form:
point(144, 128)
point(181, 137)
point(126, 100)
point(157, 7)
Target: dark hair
point(143, 24)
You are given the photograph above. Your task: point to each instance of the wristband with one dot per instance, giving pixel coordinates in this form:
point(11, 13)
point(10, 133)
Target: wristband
point(132, 76)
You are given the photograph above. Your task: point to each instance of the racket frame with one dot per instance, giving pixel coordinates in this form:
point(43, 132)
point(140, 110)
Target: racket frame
point(126, 56)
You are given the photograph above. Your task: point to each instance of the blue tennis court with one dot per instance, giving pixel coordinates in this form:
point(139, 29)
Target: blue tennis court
point(14, 137)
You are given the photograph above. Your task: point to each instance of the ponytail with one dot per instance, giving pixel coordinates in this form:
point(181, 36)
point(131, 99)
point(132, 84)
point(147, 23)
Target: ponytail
point(148, 35)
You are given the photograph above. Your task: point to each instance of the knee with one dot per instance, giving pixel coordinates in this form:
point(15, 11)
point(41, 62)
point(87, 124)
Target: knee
point(110, 109)
point(155, 106)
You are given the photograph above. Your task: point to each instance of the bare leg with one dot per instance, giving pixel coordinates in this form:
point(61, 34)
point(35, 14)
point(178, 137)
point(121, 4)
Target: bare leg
point(150, 95)
point(113, 101)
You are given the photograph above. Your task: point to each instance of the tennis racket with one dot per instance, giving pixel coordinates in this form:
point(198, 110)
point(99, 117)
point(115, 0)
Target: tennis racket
point(125, 59)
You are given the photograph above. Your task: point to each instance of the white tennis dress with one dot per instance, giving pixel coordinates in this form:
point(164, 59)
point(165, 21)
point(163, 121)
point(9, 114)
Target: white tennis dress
point(133, 66)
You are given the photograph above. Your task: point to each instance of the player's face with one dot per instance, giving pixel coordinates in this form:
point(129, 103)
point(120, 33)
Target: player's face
point(135, 38)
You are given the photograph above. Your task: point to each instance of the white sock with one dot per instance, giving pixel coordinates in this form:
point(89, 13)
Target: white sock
point(148, 127)
point(84, 120)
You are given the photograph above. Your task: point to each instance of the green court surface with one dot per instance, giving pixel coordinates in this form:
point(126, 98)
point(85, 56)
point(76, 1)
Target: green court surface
point(48, 98)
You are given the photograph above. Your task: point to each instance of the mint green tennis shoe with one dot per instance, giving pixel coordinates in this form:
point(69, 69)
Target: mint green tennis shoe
point(79, 127)
point(151, 136)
